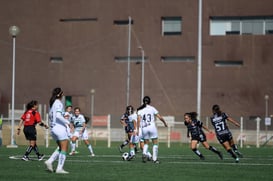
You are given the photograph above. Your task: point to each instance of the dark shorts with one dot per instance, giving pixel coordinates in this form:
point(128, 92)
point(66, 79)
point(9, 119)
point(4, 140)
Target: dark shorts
point(224, 137)
point(30, 133)
point(200, 137)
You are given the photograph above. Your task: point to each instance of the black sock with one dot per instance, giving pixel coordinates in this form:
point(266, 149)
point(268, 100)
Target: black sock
point(231, 152)
point(213, 149)
point(197, 152)
point(28, 151)
point(124, 143)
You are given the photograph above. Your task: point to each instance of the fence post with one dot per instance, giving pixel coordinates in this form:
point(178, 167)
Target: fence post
point(258, 132)
point(241, 131)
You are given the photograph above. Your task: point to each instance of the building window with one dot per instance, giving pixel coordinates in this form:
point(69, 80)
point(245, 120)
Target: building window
point(241, 25)
point(56, 59)
point(135, 59)
point(177, 58)
point(228, 63)
point(171, 25)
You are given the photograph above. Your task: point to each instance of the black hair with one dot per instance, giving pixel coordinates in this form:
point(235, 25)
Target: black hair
point(216, 109)
point(192, 115)
point(56, 94)
point(146, 100)
point(31, 104)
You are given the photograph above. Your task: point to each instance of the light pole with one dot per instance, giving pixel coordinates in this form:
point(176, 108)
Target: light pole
point(14, 31)
point(142, 73)
point(92, 92)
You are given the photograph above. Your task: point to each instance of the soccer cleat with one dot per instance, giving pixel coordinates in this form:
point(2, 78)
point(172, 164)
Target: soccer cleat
point(25, 158)
point(202, 157)
point(220, 155)
point(61, 171)
point(72, 153)
point(49, 166)
point(130, 157)
point(92, 154)
point(144, 158)
point(156, 162)
point(41, 157)
point(237, 160)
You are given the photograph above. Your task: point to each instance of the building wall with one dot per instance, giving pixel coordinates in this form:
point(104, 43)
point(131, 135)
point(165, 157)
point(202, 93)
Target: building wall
point(88, 49)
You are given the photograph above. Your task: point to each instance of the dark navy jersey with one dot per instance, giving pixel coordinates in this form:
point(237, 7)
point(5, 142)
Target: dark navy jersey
point(219, 123)
point(128, 121)
point(195, 128)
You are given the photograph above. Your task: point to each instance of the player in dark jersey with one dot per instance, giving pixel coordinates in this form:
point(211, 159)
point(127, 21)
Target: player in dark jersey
point(29, 119)
point(128, 126)
point(197, 134)
point(224, 136)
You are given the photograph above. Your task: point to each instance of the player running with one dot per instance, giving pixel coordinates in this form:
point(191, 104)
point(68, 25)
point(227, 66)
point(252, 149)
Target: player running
point(194, 127)
point(224, 136)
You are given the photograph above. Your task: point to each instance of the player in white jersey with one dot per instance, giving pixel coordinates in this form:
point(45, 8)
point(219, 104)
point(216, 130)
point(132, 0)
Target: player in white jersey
point(59, 132)
point(146, 119)
point(80, 131)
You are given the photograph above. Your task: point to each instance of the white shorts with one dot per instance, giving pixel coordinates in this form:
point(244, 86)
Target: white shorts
point(59, 132)
point(149, 132)
point(83, 136)
point(134, 139)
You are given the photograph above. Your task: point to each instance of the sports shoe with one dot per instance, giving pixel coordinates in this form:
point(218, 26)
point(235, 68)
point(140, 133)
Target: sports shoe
point(156, 162)
point(144, 158)
point(130, 157)
point(220, 155)
point(41, 157)
point(72, 153)
point(61, 171)
point(237, 160)
point(202, 157)
point(25, 158)
point(49, 166)
point(92, 155)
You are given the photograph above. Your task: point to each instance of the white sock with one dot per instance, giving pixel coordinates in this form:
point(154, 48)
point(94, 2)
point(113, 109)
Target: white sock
point(145, 149)
point(54, 156)
point(62, 157)
point(155, 152)
point(73, 146)
point(90, 148)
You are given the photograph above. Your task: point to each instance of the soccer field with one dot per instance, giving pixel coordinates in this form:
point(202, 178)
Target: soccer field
point(177, 163)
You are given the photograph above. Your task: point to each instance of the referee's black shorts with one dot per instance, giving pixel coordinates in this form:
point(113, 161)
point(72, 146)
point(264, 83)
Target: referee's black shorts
point(30, 133)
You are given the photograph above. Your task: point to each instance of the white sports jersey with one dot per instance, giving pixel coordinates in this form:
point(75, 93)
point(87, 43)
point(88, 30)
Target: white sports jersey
point(147, 116)
point(58, 123)
point(147, 124)
point(78, 122)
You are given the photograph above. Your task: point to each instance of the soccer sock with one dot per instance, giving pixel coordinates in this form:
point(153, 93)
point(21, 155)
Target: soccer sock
point(124, 143)
point(197, 152)
point(62, 157)
point(231, 152)
point(234, 147)
point(132, 151)
point(145, 149)
point(149, 155)
point(73, 146)
point(36, 150)
point(28, 151)
point(90, 148)
point(213, 149)
point(54, 156)
point(155, 152)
